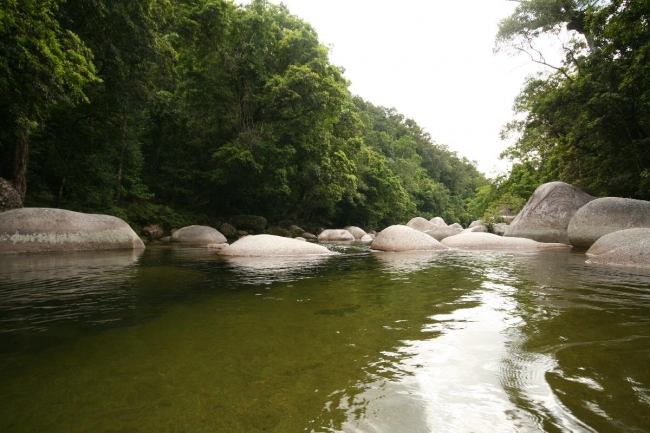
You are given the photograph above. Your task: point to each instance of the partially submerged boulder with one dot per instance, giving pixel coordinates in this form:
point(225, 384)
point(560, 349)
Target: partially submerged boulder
point(41, 229)
point(366, 238)
point(201, 235)
point(420, 224)
point(404, 238)
point(607, 215)
point(295, 231)
point(547, 213)
point(333, 235)
point(269, 245)
point(357, 232)
point(439, 233)
point(309, 236)
point(489, 241)
point(629, 247)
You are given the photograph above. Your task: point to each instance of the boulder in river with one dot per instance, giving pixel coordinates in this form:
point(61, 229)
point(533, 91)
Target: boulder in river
point(42, 229)
point(475, 223)
point(295, 231)
point(607, 215)
point(479, 228)
point(357, 232)
point(309, 236)
point(547, 213)
point(489, 241)
point(404, 238)
point(439, 233)
point(438, 222)
point(333, 235)
point(456, 226)
point(248, 222)
point(153, 232)
point(228, 230)
point(272, 246)
point(201, 235)
point(421, 224)
point(629, 247)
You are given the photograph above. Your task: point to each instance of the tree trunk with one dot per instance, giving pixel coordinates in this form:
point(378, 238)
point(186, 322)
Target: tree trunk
point(21, 150)
point(119, 171)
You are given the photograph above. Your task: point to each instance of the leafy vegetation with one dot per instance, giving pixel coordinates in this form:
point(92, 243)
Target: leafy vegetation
point(188, 111)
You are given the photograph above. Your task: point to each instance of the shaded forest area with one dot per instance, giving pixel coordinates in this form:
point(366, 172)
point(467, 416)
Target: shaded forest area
point(188, 111)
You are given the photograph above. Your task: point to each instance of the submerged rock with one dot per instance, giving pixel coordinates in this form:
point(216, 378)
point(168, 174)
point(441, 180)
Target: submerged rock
point(269, 245)
point(607, 215)
point(404, 238)
point(547, 213)
point(488, 241)
point(42, 229)
point(201, 235)
point(629, 247)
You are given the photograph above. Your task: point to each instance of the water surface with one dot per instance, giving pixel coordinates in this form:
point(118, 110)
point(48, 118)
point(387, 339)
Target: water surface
point(179, 340)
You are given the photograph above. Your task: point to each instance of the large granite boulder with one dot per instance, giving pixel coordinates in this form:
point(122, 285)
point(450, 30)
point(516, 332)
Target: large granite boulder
point(438, 222)
point(475, 223)
point(269, 245)
point(607, 215)
point(489, 241)
point(456, 226)
point(421, 224)
point(479, 228)
point(404, 238)
point(357, 232)
point(200, 235)
point(41, 229)
point(629, 247)
point(333, 235)
point(547, 213)
point(439, 233)
point(9, 197)
point(248, 222)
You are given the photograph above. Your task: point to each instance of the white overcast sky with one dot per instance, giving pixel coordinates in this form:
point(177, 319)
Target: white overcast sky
point(430, 59)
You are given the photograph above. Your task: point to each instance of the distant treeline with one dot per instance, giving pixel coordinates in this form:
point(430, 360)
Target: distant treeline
point(188, 111)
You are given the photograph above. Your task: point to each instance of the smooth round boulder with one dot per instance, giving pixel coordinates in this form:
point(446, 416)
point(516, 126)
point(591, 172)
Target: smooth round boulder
point(439, 233)
point(476, 229)
point(309, 236)
point(201, 235)
point(295, 231)
point(404, 238)
point(420, 224)
point(367, 238)
point(438, 222)
point(629, 247)
point(607, 215)
point(333, 235)
point(42, 229)
point(456, 226)
point(357, 232)
point(489, 241)
point(547, 213)
point(9, 197)
point(272, 246)
point(475, 223)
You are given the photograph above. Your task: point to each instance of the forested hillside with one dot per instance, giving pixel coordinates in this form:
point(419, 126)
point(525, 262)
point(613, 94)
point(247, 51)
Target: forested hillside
point(587, 121)
point(188, 111)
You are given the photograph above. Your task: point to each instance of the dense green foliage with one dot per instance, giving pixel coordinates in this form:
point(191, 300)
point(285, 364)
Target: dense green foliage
point(587, 122)
point(189, 111)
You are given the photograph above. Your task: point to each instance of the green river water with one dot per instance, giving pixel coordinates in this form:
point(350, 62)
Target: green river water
point(179, 340)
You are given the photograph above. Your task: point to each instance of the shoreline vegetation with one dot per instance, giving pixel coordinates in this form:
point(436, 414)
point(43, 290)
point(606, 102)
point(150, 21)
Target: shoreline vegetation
point(177, 113)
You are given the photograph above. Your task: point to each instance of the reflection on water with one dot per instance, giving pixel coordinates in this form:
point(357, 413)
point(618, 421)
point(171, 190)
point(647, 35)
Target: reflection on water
point(360, 342)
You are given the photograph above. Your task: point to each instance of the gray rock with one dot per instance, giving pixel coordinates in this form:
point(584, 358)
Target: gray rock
point(165, 239)
point(366, 238)
point(279, 231)
point(489, 241)
point(500, 229)
point(300, 238)
point(438, 222)
point(404, 238)
point(295, 231)
point(228, 230)
point(607, 215)
point(357, 232)
point(629, 247)
point(475, 223)
point(248, 222)
point(420, 224)
point(456, 226)
point(269, 245)
point(42, 229)
point(201, 235)
point(439, 233)
point(153, 232)
point(309, 236)
point(9, 197)
point(547, 213)
point(476, 229)
point(335, 235)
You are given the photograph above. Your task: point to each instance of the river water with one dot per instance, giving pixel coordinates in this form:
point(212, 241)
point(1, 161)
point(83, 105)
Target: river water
point(179, 340)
